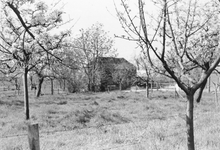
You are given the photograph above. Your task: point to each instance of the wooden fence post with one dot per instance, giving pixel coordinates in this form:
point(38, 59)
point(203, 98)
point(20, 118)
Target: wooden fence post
point(33, 137)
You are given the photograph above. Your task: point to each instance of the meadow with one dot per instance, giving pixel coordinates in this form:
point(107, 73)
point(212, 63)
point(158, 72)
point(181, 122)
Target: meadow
point(109, 121)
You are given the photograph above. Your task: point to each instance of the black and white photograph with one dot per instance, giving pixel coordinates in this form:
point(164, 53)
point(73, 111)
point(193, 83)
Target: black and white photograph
point(109, 74)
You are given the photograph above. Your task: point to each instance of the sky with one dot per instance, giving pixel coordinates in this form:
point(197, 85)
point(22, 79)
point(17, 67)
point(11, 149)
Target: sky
point(85, 13)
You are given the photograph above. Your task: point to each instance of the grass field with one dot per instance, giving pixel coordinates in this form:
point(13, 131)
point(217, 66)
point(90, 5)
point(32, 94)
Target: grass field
point(109, 121)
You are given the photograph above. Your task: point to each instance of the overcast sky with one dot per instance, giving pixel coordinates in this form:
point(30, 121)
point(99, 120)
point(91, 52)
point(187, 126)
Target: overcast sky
point(87, 12)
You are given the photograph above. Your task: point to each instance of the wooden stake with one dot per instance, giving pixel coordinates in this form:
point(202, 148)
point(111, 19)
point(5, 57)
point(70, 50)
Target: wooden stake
point(33, 137)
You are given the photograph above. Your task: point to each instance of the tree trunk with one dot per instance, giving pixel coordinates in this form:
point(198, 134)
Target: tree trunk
point(147, 90)
point(189, 122)
point(151, 85)
point(26, 100)
point(17, 86)
point(200, 91)
point(89, 84)
point(209, 86)
point(64, 84)
point(39, 86)
point(60, 83)
point(89, 87)
point(93, 83)
point(93, 87)
point(52, 90)
point(120, 84)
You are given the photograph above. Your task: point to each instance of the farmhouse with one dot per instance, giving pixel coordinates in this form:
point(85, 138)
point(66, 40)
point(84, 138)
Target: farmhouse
point(112, 73)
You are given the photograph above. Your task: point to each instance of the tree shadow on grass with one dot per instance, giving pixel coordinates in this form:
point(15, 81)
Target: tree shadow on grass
point(12, 103)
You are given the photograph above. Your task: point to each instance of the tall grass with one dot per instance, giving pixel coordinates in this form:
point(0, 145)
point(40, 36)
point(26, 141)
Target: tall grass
point(116, 120)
